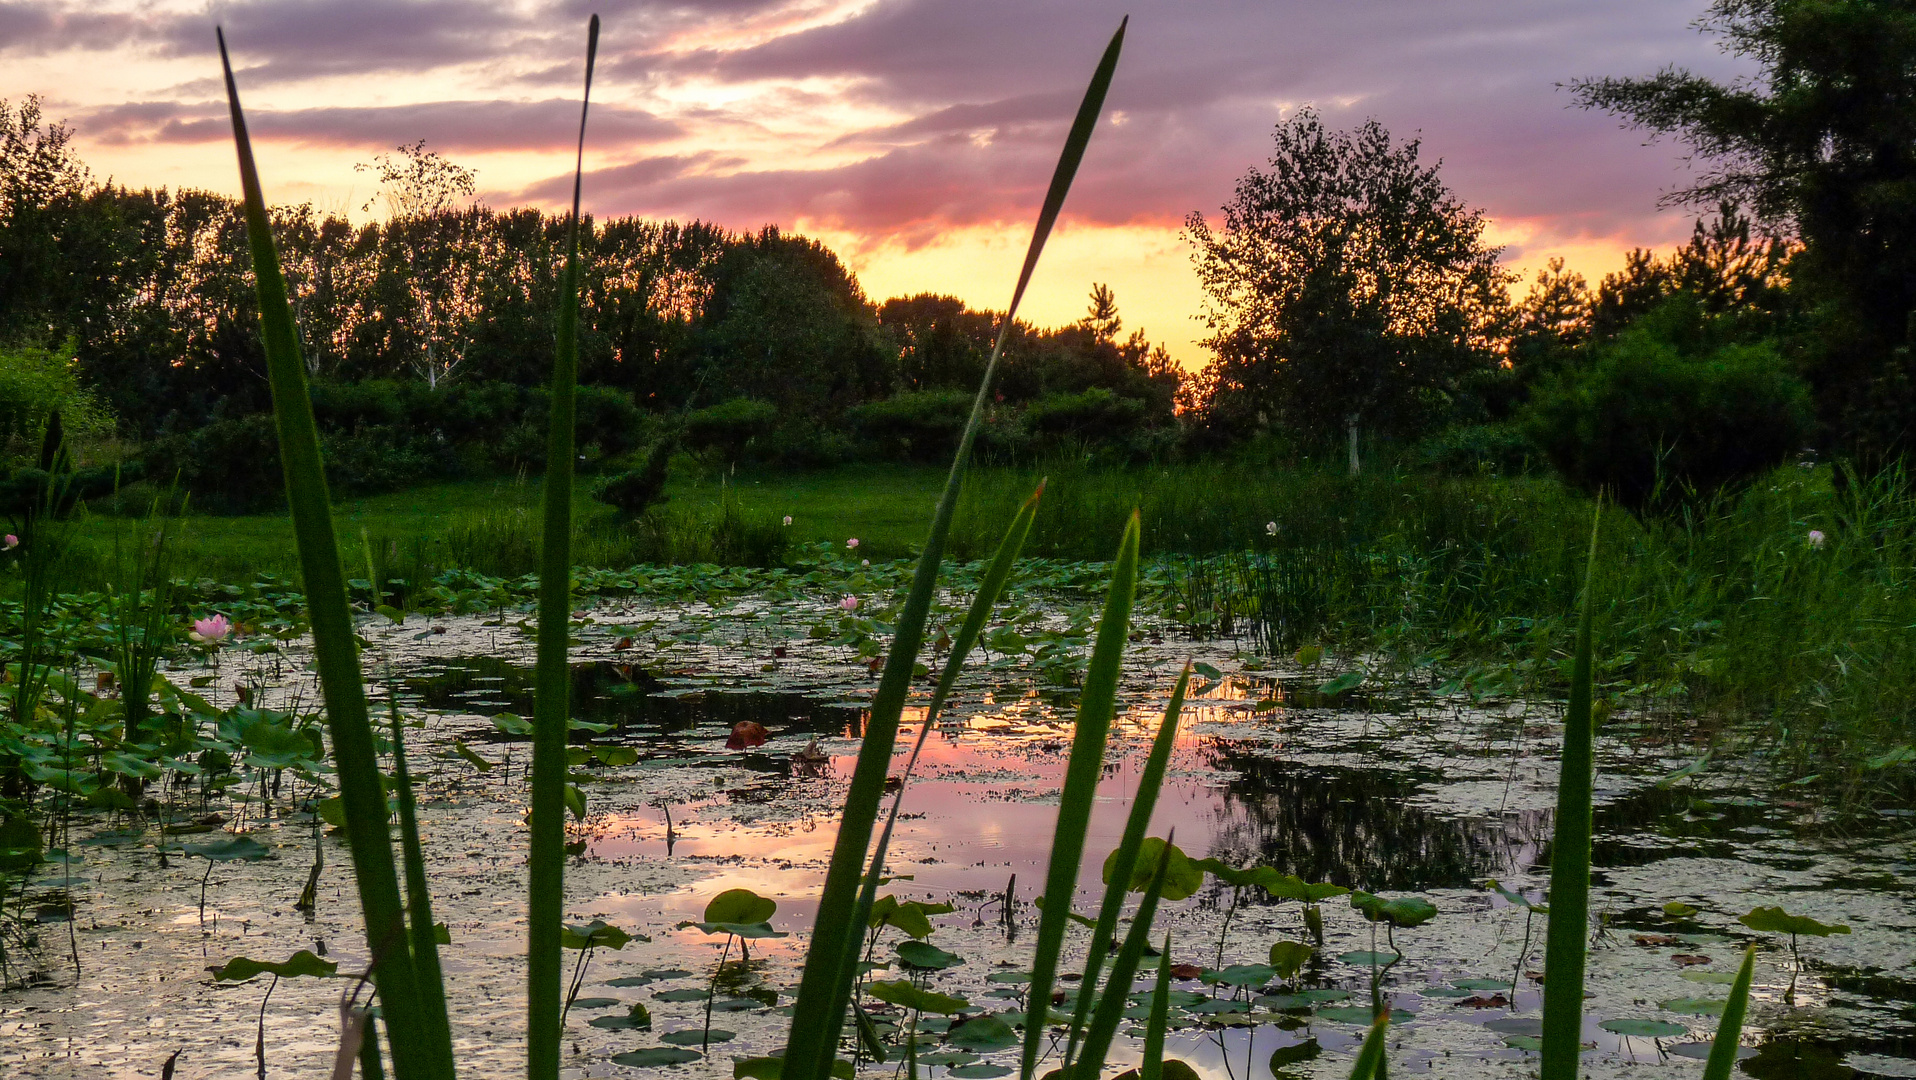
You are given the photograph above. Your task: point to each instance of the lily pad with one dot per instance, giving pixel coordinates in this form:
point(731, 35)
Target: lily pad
point(1481, 984)
point(637, 1018)
point(697, 1036)
point(1243, 975)
point(927, 957)
point(1516, 1025)
point(683, 993)
point(595, 1003)
point(984, 1070)
point(1695, 1006)
point(303, 962)
point(1361, 1015)
point(1775, 920)
point(1700, 1051)
point(1644, 1029)
point(1368, 959)
point(1402, 911)
point(905, 995)
point(740, 906)
point(983, 1034)
point(654, 1057)
point(1295, 1054)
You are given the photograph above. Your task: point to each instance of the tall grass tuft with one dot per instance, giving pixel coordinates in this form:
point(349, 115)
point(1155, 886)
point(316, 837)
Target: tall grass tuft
point(419, 1047)
point(1097, 706)
point(825, 988)
point(551, 713)
point(1729, 1030)
point(1570, 859)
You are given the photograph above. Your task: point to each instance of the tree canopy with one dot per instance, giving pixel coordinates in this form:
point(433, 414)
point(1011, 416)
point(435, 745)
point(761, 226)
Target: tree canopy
point(1346, 280)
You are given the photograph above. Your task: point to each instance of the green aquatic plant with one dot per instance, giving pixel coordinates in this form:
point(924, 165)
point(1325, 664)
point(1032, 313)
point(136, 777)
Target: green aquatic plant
point(826, 985)
point(1729, 1030)
point(1774, 920)
point(1562, 1038)
point(551, 713)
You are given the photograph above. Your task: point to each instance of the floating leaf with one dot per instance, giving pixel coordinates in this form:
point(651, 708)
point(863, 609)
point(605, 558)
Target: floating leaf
point(237, 849)
point(597, 934)
point(656, 1057)
point(981, 1071)
point(1402, 912)
point(1677, 909)
point(637, 1018)
point(303, 962)
point(983, 1034)
point(1694, 1006)
point(1350, 680)
point(908, 996)
point(1775, 920)
point(683, 993)
point(927, 957)
point(1366, 958)
point(1644, 1029)
point(740, 906)
point(1361, 1015)
point(1292, 887)
point(1296, 1054)
point(512, 724)
point(1309, 655)
point(697, 1036)
point(1244, 974)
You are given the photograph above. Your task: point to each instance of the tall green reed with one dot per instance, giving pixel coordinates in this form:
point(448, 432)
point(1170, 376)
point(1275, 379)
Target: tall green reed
point(1570, 859)
point(418, 1050)
point(551, 711)
point(825, 987)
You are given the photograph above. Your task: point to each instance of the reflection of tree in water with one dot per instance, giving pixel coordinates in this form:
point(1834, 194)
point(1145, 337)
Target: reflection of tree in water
point(1355, 827)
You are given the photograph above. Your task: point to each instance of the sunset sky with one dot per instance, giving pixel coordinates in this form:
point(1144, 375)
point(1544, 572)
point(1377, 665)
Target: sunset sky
point(914, 137)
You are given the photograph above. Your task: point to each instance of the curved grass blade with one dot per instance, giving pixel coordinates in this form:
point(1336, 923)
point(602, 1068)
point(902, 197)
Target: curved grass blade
point(1570, 859)
point(552, 708)
point(989, 589)
point(819, 1012)
point(415, 1053)
point(1729, 1030)
point(1124, 970)
point(1152, 1067)
point(1135, 828)
point(1370, 1058)
point(1097, 706)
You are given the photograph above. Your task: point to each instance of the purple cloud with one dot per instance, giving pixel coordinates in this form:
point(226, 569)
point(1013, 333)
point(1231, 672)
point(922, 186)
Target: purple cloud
point(445, 125)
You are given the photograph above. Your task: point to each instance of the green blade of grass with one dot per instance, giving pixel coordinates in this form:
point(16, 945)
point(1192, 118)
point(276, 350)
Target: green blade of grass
point(1124, 970)
point(335, 651)
point(1097, 706)
point(1152, 1067)
point(1570, 859)
point(551, 709)
point(425, 940)
point(1729, 1030)
point(1370, 1058)
point(989, 589)
point(1135, 828)
point(824, 989)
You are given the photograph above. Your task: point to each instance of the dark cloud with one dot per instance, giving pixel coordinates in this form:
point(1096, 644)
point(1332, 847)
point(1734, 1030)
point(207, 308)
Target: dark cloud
point(290, 39)
point(35, 27)
point(445, 125)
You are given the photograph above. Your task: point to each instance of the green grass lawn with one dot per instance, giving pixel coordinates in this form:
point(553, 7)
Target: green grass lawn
point(887, 507)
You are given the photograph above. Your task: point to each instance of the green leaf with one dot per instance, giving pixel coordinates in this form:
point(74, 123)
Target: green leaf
point(552, 796)
point(656, 1057)
point(1350, 680)
point(1289, 957)
point(697, 1036)
point(983, 1034)
point(1097, 705)
point(830, 963)
point(512, 724)
point(1677, 909)
point(1729, 1031)
point(925, 956)
point(1370, 1057)
point(235, 849)
point(1182, 880)
point(740, 906)
point(1402, 912)
point(1774, 920)
point(1644, 1029)
point(472, 759)
point(1243, 974)
point(1291, 887)
point(1694, 1006)
point(753, 931)
point(303, 962)
point(905, 994)
point(1562, 1038)
point(597, 934)
point(1361, 1015)
point(1124, 971)
point(1517, 899)
point(637, 1018)
point(1309, 655)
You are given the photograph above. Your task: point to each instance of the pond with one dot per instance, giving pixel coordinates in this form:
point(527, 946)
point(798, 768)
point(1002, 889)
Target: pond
point(1397, 789)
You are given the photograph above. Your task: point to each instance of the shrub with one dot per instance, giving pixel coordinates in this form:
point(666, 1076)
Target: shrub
point(637, 489)
point(1477, 450)
point(1666, 416)
point(730, 427)
point(33, 384)
point(916, 425)
point(1094, 415)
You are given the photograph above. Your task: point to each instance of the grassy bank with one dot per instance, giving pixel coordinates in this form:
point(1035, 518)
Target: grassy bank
point(1779, 620)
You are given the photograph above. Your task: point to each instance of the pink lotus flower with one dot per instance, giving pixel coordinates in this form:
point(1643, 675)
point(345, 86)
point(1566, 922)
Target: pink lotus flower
point(852, 543)
point(850, 603)
point(788, 519)
point(12, 542)
point(211, 631)
point(1817, 539)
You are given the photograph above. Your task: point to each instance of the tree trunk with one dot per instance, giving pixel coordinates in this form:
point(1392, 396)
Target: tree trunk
point(1351, 420)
